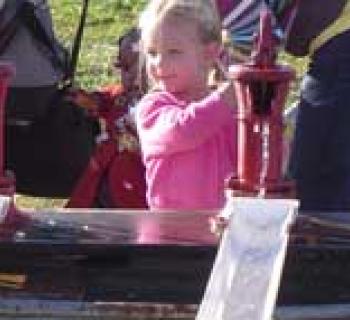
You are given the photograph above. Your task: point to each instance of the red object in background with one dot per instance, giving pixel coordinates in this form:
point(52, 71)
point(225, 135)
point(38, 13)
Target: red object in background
point(7, 180)
point(115, 171)
point(12, 217)
point(126, 178)
point(261, 87)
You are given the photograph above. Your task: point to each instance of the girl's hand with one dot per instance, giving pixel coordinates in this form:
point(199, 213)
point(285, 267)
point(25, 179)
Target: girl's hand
point(218, 225)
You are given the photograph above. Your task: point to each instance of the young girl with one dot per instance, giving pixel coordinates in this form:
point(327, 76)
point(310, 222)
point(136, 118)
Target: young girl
point(187, 133)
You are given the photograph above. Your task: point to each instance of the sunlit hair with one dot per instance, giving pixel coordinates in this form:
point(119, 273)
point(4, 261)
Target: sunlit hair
point(201, 12)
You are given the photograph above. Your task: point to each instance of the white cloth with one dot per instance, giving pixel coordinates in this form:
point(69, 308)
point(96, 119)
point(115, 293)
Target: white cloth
point(245, 278)
point(4, 206)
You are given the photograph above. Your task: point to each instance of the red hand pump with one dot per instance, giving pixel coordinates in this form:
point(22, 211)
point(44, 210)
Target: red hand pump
point(261, 87)
point(7, 185)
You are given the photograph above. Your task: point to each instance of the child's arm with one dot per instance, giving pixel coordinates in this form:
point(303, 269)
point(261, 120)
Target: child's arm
point(166, 125)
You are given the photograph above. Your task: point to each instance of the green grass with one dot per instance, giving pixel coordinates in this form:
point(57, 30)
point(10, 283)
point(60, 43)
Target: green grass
point(24, 201)
point(107, 20)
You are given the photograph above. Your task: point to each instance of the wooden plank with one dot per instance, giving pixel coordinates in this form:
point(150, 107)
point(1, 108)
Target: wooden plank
point(45, 309)
point(110, 227)
point(313, 312)
point(87, 256)
point(57, 310)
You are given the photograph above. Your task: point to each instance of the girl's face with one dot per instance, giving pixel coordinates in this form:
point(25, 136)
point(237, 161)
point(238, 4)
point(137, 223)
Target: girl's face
point(176, 60)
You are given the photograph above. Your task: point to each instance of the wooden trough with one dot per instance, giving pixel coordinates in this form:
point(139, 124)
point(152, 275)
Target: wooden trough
point(154, 265)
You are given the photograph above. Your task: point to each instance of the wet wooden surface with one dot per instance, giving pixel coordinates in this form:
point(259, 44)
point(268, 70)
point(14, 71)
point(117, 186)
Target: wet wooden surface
point(123, 227)
point(82, 258)
point(107, 256)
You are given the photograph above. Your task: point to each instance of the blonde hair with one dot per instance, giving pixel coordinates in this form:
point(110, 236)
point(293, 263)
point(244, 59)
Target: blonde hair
point(204, 13)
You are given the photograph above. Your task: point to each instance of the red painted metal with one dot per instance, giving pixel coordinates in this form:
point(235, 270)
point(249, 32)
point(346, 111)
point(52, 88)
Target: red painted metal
point(7, 185)
point(115, 166)
point(262, 87)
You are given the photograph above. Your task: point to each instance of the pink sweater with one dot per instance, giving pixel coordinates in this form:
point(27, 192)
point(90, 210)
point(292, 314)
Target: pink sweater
point(188, 150)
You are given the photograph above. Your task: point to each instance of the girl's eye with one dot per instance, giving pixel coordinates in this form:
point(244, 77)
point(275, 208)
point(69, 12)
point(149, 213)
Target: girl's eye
point(174, 51)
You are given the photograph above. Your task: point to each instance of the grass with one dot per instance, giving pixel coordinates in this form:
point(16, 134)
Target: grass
point(24, 201)
point(106, 21)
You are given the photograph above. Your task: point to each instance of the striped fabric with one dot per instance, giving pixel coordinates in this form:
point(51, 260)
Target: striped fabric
point(242, 22)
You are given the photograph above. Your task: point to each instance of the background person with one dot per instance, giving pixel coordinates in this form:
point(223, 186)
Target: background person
point(114, 177)
point(320, 160)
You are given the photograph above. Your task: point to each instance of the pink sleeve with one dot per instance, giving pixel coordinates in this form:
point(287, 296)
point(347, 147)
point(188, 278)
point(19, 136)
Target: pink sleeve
point(167, 126)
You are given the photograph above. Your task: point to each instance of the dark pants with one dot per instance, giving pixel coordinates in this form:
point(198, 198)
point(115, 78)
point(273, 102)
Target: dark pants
point(321, 153)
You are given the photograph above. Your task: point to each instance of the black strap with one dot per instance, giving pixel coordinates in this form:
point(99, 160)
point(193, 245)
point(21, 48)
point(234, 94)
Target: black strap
point(77, 41)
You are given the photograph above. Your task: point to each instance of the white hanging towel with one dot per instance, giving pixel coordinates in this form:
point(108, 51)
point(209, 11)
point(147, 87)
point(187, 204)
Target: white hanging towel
point(4, 207)
point(245, 277)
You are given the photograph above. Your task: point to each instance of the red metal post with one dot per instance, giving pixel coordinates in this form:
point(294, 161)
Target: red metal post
point(6, 182)
point(262, 87)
